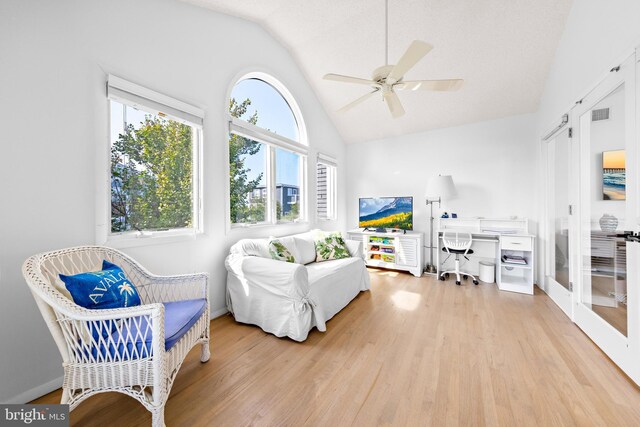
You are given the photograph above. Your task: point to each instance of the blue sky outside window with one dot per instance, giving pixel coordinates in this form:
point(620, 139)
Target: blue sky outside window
point(275, 115)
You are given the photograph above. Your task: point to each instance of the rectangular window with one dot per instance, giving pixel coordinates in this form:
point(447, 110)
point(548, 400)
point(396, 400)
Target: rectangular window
point(271, 166)
point(287, 176)
point(248, 191)
point(154, 162)
point(326, 188)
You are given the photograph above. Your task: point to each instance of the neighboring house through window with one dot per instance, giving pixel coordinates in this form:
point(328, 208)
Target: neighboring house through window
point(326, 188)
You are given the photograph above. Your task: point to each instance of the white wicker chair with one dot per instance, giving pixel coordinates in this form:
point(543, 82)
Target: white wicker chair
point(90, 364)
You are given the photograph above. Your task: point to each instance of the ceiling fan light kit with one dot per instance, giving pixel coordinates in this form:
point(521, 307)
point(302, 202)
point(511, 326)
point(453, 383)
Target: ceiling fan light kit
point(389, 78)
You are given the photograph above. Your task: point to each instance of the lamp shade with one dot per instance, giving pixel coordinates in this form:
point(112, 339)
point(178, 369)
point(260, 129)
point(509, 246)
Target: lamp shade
point(441, 186)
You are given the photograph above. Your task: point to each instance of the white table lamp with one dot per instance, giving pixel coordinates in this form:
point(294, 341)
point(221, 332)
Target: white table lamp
point(439, 188)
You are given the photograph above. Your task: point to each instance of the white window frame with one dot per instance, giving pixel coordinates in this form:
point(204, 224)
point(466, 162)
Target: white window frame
point(272, 141)
point(332, 186)
point(139, 97)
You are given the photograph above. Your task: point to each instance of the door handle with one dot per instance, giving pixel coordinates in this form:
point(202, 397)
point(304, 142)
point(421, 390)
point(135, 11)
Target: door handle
point(633, 237)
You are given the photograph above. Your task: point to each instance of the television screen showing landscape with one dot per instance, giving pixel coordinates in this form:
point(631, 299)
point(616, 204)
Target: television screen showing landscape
point(614, 175)
point(387, 212)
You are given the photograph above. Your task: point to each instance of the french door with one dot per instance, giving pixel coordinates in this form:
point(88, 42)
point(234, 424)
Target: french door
point(606, 277)
point(561, 224)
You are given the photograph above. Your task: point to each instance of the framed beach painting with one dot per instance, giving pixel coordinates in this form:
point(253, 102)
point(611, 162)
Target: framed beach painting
point(613, 175)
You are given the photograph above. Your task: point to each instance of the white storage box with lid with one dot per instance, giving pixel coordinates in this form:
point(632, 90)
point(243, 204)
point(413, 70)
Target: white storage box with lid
point(487, 272)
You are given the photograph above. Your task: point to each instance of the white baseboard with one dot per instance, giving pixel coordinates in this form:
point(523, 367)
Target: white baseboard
point(219, 312)
point(55, 384)
point(37, 392)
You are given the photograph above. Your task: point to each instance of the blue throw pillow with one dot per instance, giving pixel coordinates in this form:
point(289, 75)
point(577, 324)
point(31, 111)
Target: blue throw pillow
point(108, 288)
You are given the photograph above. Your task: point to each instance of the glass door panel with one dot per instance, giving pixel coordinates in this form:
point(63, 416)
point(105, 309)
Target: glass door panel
point(560, 226)
point(560, 212)
point(604, 209)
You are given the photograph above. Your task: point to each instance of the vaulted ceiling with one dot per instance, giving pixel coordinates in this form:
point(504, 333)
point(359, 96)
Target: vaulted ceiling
point(503, 50)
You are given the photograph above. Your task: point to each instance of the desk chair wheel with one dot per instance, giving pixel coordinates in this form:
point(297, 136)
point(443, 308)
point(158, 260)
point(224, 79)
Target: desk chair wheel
point(465, 277)
point(441, 278)
point(458, 282)
point(446, 275)
point(475, 282)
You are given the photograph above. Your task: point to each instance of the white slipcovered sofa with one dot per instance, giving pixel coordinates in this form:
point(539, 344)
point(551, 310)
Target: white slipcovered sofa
point(290, 299)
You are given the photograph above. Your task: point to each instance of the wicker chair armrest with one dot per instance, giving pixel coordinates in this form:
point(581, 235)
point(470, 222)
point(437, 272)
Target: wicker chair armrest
point(113, 335)
point(84, 314)
point(176, 288)
point(181, 278)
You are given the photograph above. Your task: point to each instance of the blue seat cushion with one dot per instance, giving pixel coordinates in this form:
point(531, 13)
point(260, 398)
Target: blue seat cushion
point(182, 316)
point(179, 317)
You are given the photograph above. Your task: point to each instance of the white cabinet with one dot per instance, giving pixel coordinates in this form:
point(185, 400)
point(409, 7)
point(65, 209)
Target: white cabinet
point(398, 250)
point(514, 277)
point(516, 243)
point(407, 251)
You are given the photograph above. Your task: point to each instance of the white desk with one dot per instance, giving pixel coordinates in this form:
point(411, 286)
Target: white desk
point(491, 239)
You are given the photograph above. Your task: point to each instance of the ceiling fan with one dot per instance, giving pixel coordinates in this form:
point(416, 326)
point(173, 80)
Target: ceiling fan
point(389, 78)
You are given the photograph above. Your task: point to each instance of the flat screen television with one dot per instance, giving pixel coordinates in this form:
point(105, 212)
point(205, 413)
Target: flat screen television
point(386, 212)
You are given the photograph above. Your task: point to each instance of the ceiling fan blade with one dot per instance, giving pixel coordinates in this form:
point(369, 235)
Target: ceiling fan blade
point(349, 79)
point(417, 50)
point(394, 104)
point(447, 85)
point(357, 102)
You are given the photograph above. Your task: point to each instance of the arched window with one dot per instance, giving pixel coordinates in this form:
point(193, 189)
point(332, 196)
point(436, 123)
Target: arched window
point(267, 153)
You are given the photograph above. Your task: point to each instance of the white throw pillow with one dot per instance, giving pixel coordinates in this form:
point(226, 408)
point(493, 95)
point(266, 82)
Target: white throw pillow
point(306, 247)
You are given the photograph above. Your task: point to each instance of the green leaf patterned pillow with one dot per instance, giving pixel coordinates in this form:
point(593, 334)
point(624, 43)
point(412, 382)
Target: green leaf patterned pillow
point(331, 247)
point(280, 252)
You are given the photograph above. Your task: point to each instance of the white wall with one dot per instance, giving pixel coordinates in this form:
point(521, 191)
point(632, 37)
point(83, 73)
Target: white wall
point(54, 60)
point(492, 164)
point(598, 35)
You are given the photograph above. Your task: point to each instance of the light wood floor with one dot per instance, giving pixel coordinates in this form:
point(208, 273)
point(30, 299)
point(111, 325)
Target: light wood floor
point(412, 351)
point(615, 315)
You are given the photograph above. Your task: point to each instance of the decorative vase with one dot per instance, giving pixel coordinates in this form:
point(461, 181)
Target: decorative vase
point(608, 223)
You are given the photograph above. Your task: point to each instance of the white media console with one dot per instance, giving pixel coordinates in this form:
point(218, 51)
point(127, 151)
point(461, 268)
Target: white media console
point(394, 250)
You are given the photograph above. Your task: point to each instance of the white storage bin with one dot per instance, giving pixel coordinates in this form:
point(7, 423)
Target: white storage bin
point(487, 272)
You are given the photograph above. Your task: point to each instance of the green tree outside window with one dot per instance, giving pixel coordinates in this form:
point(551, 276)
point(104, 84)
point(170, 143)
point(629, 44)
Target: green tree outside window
point(151, 176)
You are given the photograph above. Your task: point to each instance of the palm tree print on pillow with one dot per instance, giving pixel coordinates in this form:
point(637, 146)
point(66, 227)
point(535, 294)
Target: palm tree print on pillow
point(280, 252)
point(331, 247)
point(126, 289)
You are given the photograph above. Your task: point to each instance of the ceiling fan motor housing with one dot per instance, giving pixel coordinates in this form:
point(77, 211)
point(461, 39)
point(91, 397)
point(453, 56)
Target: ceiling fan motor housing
point(380, 74)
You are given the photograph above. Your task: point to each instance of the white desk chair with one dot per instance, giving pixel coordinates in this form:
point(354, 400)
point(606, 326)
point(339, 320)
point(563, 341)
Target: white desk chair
point(457, 243)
